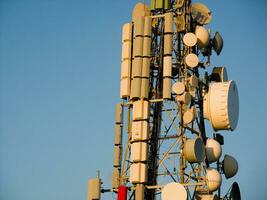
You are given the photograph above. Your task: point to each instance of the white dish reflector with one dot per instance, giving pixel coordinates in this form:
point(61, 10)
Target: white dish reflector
point(173, 191)
point(213, 179)
point(200, 13)
point(213, 150)
point(192, 60)
point(203, 36)
point(190, 39)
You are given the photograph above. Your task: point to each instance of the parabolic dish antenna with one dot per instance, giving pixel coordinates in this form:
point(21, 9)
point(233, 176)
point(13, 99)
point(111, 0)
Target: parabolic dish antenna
point(235, 192)
point(219, 74)
point(203, 36)
point(230, 166)
point(194, 150)
point(190, 39)
point(217, 43)
point(213, 150)
point(173, 191)
point(200, 13)
point(221, 105)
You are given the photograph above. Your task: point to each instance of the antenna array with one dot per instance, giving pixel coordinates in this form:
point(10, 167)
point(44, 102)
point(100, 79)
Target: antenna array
point(162, 149)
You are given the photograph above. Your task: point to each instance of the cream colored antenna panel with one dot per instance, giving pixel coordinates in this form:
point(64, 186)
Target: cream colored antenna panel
point(127, 32)
point(138, 47)
point(139, 152)
point(115, 178)
point(125, 87)
point(137, 67)
point(140, 110)
point(168, 44)
point(135, 88)
point(94, 189)
point(117, 156)
point(140, 130)
point(146, 67)
point(137, 110)
point(148, 27)
point(118, 113)
point(221, 105)
point(126, 52)
point(140, 10)
point(139, 26)
point(138, 173)
point(117, 140)
point(146, 110)
point(147, 47)
point(126, 69)
point(144, 88)
point(168, 23)
point(167, 66)
point(167, 88)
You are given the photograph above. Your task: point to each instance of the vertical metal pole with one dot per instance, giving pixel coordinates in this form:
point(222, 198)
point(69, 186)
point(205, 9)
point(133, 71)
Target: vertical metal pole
point(181, 145)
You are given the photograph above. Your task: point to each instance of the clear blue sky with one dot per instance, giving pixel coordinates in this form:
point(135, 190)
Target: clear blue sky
point(59, 82)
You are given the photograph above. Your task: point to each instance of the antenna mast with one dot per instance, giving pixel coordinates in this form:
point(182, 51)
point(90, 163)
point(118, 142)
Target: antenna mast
point(162, 149)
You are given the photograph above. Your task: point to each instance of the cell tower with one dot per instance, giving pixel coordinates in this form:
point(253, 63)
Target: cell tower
point(162, 149)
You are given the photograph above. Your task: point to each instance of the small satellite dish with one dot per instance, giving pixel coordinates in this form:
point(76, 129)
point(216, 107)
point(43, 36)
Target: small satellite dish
point(213, 179)
point(140, 10)
point(229, 166)
point(235, 192)
point(203, 36)
point(184, 98)
point(190, 39)
point(188, 117)
point(213, 150)
point(200, 13)
point(193, 80)
point(194, 150)
point(173, 191)
point(219, 74)
point(217, 43)
point(178, 88)
point(191, 60)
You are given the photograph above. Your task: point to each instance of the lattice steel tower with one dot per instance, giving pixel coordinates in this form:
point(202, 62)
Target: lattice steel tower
point(162, 149)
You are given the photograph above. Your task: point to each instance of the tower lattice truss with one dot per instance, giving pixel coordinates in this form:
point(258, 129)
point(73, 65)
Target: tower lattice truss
point(163, 148)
